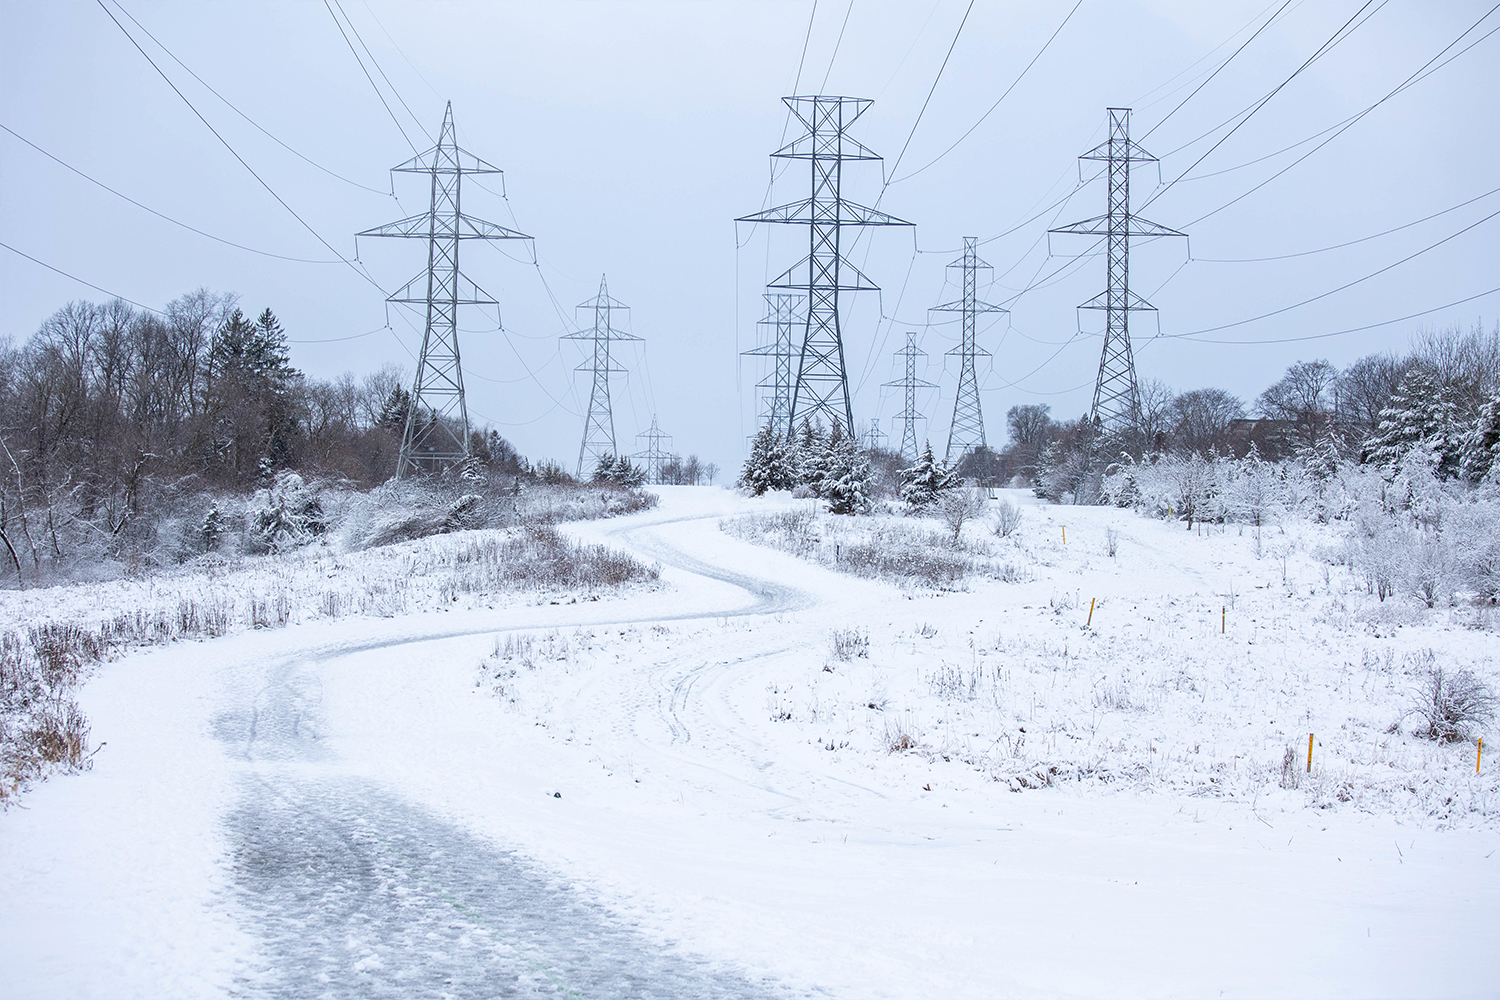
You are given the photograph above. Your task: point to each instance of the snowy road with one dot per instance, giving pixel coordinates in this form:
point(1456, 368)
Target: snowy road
point(355, 892)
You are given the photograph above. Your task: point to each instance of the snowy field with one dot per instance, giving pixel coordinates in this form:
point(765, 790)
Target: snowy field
point(762, 776)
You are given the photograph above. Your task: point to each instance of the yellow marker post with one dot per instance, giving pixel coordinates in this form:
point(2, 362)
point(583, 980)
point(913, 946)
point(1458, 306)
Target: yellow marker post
point(1065, 534)
point(1091, 612)
point(1478, 753)
point(1223, 619)
point(1309, 753)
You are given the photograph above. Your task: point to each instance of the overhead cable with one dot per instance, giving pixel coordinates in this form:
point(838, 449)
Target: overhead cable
point(161, 215)
point(232, 107)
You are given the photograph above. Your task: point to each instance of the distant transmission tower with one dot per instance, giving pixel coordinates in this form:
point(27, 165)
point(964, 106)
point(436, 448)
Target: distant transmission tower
point(783, 313)
point(1117, 399)
point(909, 384)
point(967, 430)
point(821, 388)
point(599, 424)
point(875, 437)
point(655, 456)
point(437, 424)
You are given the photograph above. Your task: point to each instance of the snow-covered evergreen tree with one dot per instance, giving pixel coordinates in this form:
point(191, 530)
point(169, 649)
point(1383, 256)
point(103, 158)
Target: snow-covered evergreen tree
point(845, 475)
point(819, 461)
point(1481, 447)
point(922, 483)
point(806, 454)
point(769, 466)
point(1420, 414)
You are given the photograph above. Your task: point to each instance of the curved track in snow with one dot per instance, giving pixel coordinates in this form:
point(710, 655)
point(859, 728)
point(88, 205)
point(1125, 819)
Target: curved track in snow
point(353, 891)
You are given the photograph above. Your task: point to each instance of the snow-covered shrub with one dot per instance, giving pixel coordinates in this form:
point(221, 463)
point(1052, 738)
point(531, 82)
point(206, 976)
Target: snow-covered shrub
point(956, 507)
point(286, 515)
point(1452, 704)
point(1007, 517)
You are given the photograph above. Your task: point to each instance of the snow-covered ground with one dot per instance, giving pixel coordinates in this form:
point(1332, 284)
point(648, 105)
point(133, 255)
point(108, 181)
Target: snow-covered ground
point(690, 791)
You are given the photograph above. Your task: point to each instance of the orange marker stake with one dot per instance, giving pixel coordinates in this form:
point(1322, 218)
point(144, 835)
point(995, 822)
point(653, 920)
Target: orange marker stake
point(1091, 612)
point(1309, 753)
point(1223, 619)
point(1478, 753)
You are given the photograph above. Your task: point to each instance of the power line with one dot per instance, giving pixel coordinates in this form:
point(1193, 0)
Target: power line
point(1338, 333)
point(1333, 40)
point(930, 91)
point(1140, 103)
point(232, 152)
point(228, 103)
point(160, 215)
point(74, 277)
point(355, 54)
point(376, 63)
point(1216, 72)
point(992, 108)
point(1343, 287)
point(1421, 74)
point(839, 41)
point(1350, 243)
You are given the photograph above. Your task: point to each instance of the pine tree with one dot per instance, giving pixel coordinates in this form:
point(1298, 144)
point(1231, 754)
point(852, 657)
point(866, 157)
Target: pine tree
point(922, 484)
point(1420, 414)
point(769, 466)
point(806, 456)
point(845, 477)
point(393, 413)
point(1481, 445)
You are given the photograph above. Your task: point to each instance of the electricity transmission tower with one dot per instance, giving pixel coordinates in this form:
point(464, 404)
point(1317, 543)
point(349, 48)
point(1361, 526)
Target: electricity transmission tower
point(655, 456)
point(437, 423)
point(967, 430)
point(909, 384)
point(599, 424)
point(821, 388)
point(1117, 399)
point(875, 437)
point(783, 313)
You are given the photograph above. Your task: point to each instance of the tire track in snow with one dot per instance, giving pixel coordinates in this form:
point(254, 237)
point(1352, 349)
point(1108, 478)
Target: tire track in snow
point(354, 892)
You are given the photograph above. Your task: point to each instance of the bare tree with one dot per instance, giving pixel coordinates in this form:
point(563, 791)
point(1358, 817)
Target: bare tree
point(1365, 389)
point(1201, 419)
point(1303, 396)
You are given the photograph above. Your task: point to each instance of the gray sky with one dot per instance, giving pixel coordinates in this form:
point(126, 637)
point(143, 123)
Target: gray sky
point(632, 134)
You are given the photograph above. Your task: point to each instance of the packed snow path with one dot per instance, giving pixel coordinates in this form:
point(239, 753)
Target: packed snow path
point(354, 892)
point(347, 808)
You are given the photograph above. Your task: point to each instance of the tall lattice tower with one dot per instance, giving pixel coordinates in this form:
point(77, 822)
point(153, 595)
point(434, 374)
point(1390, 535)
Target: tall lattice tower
point(909, 384)
point(820, 391)
point(655, 456)
point(875, 438)
point(437, 424)
point(1117, 400)
point(967, 430)
point(599, 423)
point(783, 313)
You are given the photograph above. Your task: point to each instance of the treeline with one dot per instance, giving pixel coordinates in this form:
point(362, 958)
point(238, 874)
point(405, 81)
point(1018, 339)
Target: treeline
point(110, 415)
point(1437, 391)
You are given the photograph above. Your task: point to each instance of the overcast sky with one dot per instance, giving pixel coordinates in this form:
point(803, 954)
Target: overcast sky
point(633, 134)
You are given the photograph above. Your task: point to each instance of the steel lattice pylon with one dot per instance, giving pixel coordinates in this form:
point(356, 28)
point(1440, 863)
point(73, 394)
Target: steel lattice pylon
point(967, 429)
point(654, 457)
point(875, 437)
point(909, 384)
point(1117, 402)
point(437, 396)
point(783, 313)
point(599, 423)
point(821, 388)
